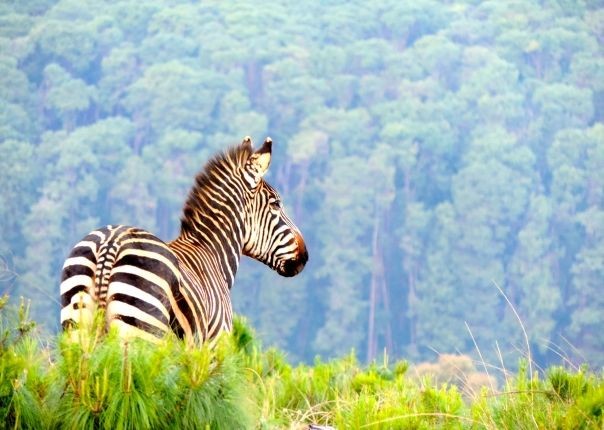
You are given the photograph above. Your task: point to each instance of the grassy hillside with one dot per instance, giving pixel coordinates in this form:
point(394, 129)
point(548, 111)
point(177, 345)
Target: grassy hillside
point(99, 382)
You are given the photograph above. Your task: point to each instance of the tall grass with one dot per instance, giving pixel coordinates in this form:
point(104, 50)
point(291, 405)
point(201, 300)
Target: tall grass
point(98, 381)
point(101, 382)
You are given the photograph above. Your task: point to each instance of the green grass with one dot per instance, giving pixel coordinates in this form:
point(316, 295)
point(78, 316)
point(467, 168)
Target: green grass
point(100, 382)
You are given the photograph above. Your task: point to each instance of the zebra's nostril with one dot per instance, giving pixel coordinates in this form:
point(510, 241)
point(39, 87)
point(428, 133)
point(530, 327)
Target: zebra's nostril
point(293, 266)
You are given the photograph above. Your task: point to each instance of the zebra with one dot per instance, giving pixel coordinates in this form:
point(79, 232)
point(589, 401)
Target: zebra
point(148, 288)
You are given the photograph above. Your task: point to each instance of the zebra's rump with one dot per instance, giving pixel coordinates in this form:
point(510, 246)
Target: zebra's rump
point(129, 273)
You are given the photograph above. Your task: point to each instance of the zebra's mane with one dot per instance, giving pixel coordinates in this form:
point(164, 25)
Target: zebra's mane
point(197, 201)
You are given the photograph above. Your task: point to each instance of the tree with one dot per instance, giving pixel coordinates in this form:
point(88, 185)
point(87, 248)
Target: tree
point(78, 172)
point(437, 291)
point(174, 160)
point(17, 182)
point(490, 195)
point(533, 286)
point(131, 200)
point(563, 106)
point(172, 95)
point(347, 267)
point(65, 97)
point(586, 300)
point(577, 158)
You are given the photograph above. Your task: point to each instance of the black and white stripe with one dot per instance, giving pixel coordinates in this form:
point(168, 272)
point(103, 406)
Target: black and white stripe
point(148, 287)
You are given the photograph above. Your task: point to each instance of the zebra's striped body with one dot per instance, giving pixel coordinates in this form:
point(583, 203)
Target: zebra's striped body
point(148, 287)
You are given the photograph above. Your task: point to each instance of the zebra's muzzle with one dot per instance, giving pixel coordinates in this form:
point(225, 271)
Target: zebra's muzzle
point(293, 266)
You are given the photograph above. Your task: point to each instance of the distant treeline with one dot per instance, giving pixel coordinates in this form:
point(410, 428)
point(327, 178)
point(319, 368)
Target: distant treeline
point(431, 152)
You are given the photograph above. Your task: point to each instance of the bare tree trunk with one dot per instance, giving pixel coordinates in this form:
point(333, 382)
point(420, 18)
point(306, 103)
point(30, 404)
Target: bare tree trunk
point(411, 271)
point(137, 144)
point(373, 294)
point(386, 299)
point(411, 300)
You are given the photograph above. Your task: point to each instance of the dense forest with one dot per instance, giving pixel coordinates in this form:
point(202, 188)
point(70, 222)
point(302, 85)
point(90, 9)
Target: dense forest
point(444, 159)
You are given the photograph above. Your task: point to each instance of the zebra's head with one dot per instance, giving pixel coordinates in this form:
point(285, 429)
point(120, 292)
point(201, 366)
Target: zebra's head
point(270, 236)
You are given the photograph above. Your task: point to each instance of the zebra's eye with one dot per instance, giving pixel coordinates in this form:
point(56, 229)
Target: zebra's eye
point(275, 204)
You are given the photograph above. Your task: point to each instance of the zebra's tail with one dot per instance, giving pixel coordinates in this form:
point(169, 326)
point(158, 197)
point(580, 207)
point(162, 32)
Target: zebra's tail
point(85, 277)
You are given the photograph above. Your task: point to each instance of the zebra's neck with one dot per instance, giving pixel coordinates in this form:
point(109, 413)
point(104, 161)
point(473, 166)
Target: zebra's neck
point(212, 244)
point(212, 225)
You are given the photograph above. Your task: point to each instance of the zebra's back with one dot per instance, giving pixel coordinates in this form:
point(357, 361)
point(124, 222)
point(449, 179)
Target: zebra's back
point(129, 273)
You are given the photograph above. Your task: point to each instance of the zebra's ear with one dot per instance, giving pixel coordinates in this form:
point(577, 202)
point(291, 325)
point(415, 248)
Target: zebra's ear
point(260, 160)
point(247, 142)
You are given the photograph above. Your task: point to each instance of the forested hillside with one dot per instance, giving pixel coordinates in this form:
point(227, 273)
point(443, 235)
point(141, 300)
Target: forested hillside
point(431, 153)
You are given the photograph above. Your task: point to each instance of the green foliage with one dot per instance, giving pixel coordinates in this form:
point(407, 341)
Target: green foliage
point(21, 371)
point(129, 385)
point(100, 381)
point(564, 400)
point(93, 380)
